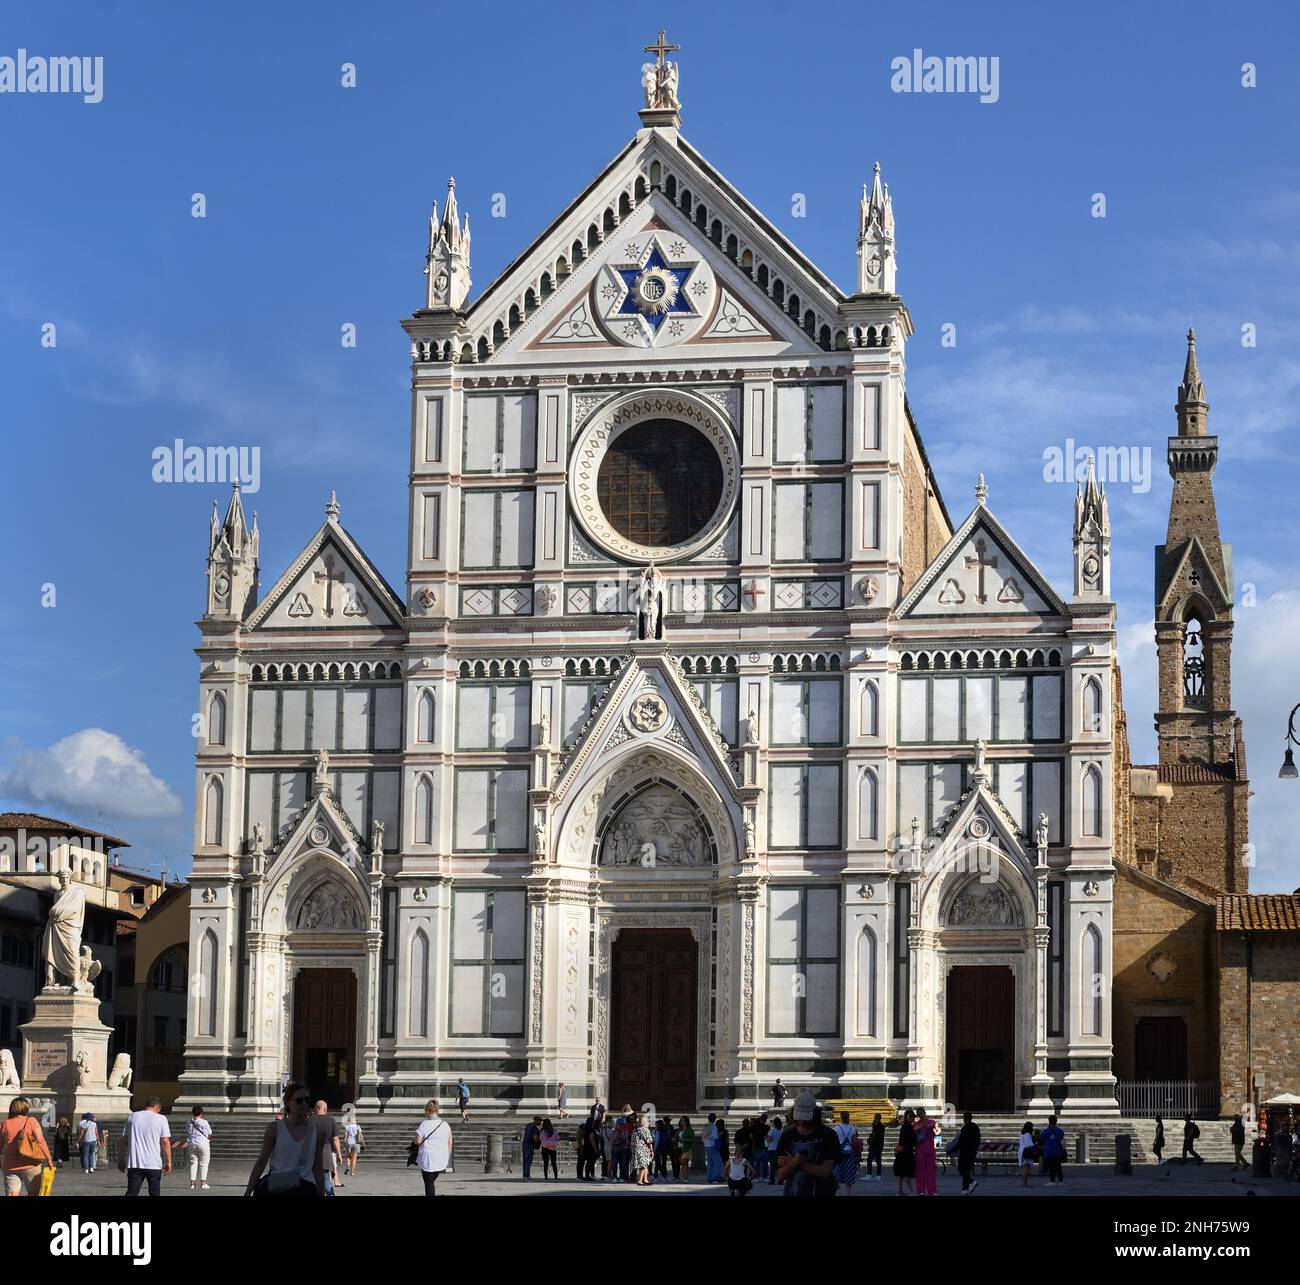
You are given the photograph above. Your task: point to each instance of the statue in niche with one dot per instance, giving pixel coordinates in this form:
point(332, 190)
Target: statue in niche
point(649, 602)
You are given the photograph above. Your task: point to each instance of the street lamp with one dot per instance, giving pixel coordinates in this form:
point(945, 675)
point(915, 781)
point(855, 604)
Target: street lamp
point(1288, 771)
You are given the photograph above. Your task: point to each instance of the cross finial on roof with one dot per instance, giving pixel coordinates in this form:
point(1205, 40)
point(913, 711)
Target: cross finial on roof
point(981, 490)
point(659, 49)
point(332, 508)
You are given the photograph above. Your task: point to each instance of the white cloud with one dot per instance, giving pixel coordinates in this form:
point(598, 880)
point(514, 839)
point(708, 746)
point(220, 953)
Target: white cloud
point(92, 770)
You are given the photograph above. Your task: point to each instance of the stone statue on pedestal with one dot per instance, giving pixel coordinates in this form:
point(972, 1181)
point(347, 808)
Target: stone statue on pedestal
point(61, 940)
point(321, 778)
point(120, 1076)
point(649, 602)
point(88, 968)
point(82, 1063)
point(8, 1071)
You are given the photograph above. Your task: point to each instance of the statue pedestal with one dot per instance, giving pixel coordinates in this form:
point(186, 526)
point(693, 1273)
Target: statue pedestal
point(63, 1026)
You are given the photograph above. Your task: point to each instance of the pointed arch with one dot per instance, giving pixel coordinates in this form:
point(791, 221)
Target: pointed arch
point(425, 713)
point(868, 981)
point(207, 996)
point(1092, 799)
point(868, 804)
point(217, 719)
point(424, 810)
point(1093, 710)
point(417, 1021)
point(213, 800)
point(1093, 974)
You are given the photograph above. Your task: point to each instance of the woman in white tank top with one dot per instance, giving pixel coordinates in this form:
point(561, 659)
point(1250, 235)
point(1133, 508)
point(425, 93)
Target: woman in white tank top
point(292, 1146)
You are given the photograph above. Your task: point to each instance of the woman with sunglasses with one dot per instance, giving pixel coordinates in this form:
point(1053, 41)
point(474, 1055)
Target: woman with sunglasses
point(292, 1146)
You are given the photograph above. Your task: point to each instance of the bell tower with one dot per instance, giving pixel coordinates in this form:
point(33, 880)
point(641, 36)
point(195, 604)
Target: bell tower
point(1195, 722)
point(232, 563)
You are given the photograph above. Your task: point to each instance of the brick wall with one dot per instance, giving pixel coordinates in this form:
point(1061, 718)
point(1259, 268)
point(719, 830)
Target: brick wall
point(1273, 1013)
point(1150, 920)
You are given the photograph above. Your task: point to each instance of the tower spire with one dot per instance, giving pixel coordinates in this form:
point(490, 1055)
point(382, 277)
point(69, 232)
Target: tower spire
point(876, 257)
point(1193, 408)
point(447, 264)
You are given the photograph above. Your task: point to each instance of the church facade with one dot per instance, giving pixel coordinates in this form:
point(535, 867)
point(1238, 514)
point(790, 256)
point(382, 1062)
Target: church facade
point(701, 745)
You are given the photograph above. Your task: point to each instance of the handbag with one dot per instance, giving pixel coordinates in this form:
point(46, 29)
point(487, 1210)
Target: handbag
point(47, 1181)
point(26, 1149)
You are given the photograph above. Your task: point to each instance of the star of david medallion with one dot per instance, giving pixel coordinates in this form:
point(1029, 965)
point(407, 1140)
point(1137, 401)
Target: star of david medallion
point(653, 284)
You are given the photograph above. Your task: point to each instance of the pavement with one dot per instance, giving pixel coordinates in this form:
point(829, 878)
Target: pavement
point(228, 1178)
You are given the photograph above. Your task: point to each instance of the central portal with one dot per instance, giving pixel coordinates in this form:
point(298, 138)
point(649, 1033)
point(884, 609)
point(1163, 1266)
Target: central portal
point(652, 1019)
point(981, 1038)
point(324, 1033)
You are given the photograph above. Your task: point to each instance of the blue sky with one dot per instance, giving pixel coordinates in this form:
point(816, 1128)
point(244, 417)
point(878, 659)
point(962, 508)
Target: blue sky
point(226, 329)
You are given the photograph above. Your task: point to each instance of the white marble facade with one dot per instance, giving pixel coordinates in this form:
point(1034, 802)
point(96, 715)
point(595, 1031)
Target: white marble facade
point(671, 655)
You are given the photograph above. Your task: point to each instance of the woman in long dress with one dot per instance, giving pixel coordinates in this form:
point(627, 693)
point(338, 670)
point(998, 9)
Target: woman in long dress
point(643, 1151)
point(926, 1171)
point(905, 1154)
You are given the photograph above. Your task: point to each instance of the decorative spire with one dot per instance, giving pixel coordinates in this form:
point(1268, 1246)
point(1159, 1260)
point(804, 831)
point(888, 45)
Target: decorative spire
point(332, 508)
point(1192, 404)
point(447, 264)
point(981, 490)
point(876, 238)
point(1191, 388)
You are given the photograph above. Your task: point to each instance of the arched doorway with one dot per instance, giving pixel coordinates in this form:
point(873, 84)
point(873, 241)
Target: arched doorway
point(324, 1033)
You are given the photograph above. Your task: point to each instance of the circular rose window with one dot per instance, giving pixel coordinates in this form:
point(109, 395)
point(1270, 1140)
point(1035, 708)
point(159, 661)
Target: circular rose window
point(659, 483)
point(654, 477)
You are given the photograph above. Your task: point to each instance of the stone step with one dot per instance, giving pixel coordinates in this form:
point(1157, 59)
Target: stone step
point(387, 1137)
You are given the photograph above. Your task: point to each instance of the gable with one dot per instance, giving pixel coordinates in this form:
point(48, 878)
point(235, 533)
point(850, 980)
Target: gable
point(1190, 574)
point(330, 585)
point(982, 571)
point(547, 290)
point(660, 283)
point(651, 704)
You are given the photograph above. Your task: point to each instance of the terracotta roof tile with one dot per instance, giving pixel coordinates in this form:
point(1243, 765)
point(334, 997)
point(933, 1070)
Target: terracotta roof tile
point(34, 821)
point(1259, 912)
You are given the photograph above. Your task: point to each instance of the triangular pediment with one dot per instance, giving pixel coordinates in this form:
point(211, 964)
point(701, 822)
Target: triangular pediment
point(1190, 573)
point(982, 571)
point(979, 817)
point(652, 705)
point(320, 823)
point(659, 284)
point(331, 584)
point(657, 278)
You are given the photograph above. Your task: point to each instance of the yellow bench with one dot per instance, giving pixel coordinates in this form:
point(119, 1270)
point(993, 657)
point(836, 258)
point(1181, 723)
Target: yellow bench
point(862, 1111)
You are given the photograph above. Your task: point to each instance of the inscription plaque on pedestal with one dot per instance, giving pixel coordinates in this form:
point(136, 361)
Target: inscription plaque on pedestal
point(44, 1059)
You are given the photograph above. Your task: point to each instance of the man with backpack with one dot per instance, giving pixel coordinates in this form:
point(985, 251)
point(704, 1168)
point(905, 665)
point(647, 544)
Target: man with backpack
point(1052, 1142)
point(1190, 1133)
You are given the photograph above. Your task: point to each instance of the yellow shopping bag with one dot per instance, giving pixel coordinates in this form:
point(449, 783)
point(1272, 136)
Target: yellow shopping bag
point(47, 1180)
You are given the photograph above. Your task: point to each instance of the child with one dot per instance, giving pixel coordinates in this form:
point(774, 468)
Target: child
point(740, 1175)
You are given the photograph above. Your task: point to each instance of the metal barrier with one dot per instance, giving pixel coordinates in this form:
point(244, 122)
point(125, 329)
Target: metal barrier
point(1169, 1098)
